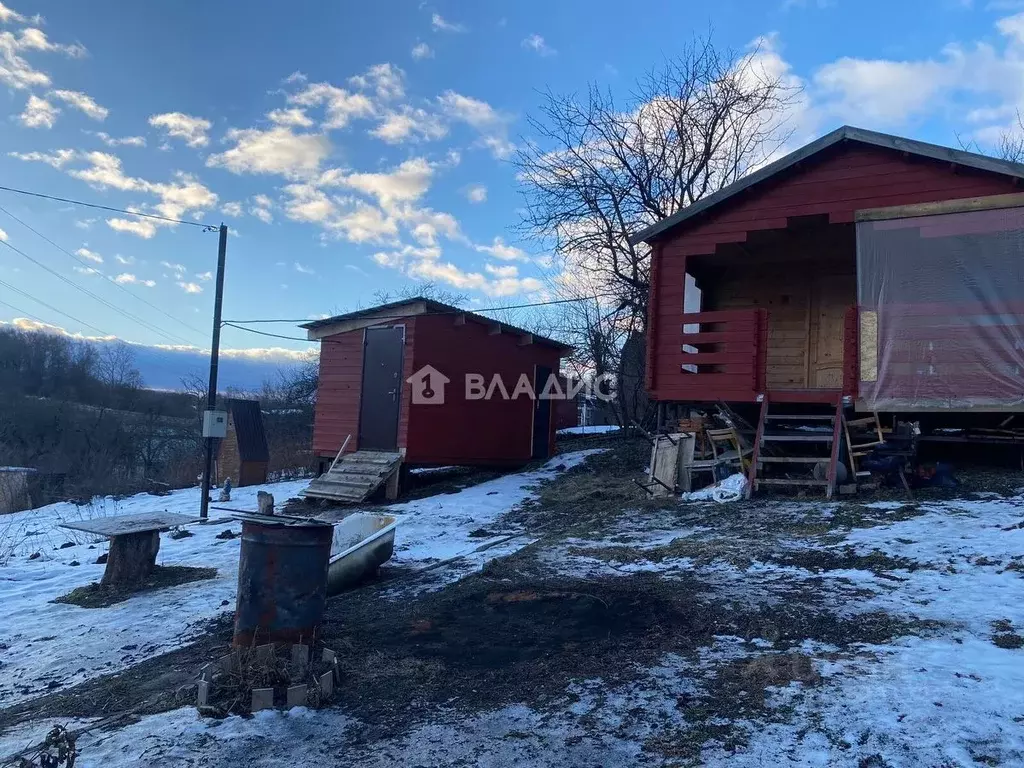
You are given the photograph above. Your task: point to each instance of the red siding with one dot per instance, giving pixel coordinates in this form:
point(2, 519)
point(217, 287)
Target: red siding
point(465, 431)
point(458, 432)
point(837, 182)
point(337, 399)
point(340, 382)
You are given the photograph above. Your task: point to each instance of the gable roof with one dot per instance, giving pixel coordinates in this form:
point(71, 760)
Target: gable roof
point(846, 133)
point(420, 305)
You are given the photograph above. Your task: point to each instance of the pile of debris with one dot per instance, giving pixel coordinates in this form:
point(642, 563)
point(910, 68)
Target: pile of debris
point(275, 675)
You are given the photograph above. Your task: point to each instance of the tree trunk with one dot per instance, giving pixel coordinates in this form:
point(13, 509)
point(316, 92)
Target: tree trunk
point(131, 559)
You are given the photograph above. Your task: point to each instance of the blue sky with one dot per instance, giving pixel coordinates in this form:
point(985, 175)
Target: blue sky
point(353, 147)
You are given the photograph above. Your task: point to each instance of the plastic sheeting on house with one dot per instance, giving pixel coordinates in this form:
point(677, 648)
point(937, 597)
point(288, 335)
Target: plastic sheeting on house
point(941, 302)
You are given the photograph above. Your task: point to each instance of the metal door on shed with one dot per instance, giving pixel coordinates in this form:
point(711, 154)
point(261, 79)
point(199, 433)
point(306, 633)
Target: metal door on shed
point(381, 393)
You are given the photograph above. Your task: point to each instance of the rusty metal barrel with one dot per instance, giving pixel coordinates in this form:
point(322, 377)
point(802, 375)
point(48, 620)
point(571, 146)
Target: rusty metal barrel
point(282, 582)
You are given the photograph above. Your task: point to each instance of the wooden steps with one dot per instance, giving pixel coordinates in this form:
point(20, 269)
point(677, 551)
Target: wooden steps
point(791, 446)
point(355, 477)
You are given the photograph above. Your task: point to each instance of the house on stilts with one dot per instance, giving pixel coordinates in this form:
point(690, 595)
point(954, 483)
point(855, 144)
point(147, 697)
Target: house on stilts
point(862, 274)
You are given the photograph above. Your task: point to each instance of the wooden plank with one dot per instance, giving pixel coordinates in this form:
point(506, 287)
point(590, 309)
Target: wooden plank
point(747, 337)
point(717, 358)
point(810, 437)
point(749, 315)
point(790, 459)
point(121, 525)
point(961, 205)
point(782, 481)
point(752, 469)
point(834, 459)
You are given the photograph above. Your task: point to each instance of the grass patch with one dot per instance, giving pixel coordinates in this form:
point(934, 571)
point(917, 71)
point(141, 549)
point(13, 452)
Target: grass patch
point(96, 595)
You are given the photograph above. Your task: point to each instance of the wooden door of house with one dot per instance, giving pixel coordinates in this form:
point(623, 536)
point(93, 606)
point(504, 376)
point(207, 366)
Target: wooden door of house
point(830, 296)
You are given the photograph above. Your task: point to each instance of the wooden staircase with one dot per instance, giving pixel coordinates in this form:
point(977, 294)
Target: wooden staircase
point(355, 477)
point(797, 444)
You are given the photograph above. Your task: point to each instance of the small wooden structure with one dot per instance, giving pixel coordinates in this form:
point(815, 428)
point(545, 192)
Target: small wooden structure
point(400, 378)
point(862, 269)
point(134, 543)
point(243, 454)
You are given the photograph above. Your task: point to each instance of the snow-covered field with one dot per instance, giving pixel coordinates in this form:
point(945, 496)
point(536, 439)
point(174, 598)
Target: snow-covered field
point(946, 691)
point(46, 645)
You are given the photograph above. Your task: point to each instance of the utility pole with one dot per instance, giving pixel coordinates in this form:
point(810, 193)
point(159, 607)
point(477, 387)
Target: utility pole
point(211, 393)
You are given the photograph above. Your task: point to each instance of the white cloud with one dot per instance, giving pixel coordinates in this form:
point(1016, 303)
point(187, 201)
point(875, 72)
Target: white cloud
point(302, 268)
point(503, 271)
point(35, 39)
point(179, 270)
point(409, 181)
point(205, 276)
point(83, 103)
point(125, 260)
point(262, 201)
point(86, 270)
point(365, 224)
point(447, 272)
point(7, 15)
point(422, 51)
point(296, 77)
point(190, 287)
point(293, 117)
point(4, 237)
point(15, 71)
point(341, 106)
point(440, 24)
point(126, 278)
point(85, 223)
point(105, 171)
point(386, 80)
point(499, 249)
point(125, 141)
point(92, 256)
point(409, 123)
point(880, 91)
point(262, 214)
point(277, 151)
point(190, 129)
point(144, 228)
point(38, 113)
point(537, 44)
point(233, 209)
point(476, 193)
point(485, 119)
point(58, 158)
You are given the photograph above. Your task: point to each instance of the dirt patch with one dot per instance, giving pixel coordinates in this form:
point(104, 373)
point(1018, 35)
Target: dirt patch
point(1004, 635)
point(846, 558)
point(96, 595)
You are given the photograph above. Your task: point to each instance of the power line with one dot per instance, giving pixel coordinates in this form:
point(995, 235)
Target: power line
point(454, 311)
point(23, 312)
point(87, 292)
point(206, 227)
point(54, 309)
point(105, 276)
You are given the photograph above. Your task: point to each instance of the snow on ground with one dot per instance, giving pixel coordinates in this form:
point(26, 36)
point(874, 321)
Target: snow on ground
point(44, 644)
point(596, 429)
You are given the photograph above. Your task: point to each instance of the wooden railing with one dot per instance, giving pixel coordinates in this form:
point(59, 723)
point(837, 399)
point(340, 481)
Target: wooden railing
point(722, 355)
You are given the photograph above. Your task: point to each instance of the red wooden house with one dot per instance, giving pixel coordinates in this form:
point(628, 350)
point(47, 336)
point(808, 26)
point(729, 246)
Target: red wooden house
point(394, 378)
point(865, 267)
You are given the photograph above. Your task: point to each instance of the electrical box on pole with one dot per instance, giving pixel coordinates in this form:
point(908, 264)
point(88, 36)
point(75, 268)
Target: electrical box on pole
point(215, 423)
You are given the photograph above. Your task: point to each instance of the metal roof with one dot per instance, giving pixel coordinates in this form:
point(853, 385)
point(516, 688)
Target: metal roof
point(846, 133)
point(433, 308)
point(252, 438)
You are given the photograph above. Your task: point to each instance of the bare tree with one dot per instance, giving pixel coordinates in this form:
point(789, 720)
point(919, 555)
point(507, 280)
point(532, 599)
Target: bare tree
point(598, 171)
point(1009, 147)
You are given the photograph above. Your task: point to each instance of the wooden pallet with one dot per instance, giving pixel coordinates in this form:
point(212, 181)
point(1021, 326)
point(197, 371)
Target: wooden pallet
point(355, 477)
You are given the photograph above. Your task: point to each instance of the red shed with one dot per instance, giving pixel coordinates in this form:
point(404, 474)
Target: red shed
point(407, 377)
point(865, 268)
